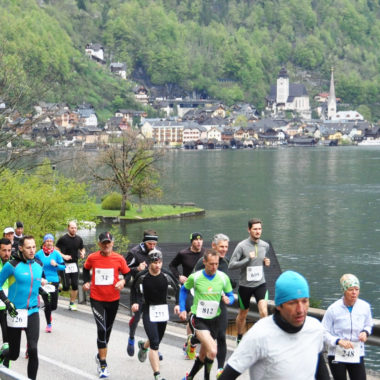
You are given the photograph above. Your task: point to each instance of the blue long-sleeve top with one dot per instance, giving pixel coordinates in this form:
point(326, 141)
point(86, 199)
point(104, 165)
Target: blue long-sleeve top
point(51, 273)
point(24, 281)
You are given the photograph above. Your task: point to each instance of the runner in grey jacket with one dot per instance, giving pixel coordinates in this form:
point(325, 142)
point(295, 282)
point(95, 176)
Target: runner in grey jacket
point(250, 257)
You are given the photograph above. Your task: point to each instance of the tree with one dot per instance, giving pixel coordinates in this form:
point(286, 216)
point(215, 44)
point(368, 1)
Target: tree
point(146, 186)
point(45, 201)
point(127, 163)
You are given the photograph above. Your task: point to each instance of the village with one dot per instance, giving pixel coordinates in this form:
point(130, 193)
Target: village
point(201, 123)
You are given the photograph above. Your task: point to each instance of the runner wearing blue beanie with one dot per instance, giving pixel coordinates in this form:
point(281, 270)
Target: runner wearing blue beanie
point(286, 345)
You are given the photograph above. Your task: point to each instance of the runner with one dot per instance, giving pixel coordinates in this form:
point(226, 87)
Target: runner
point(22, 302)
point(285, 346)
point(52, 262)
point(220, 243)
point(105, 287)
point(209, 285)
point(137, 260)
point(149, 294)
point(348, 324)
point(9, 233)
point(71, 247)
point(5, 254)
point(250, 256)
point(187, 258)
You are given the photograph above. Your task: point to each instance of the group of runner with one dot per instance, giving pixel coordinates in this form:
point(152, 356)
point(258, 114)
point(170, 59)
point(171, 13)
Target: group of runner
point(287, 345)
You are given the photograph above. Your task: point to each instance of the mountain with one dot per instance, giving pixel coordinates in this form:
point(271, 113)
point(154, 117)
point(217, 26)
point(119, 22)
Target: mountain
point(226, 49)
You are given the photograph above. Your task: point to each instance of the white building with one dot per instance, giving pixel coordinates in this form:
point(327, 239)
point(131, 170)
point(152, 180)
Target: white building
point(286, 96)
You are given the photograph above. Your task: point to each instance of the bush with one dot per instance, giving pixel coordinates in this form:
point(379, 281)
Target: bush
point(113, 202)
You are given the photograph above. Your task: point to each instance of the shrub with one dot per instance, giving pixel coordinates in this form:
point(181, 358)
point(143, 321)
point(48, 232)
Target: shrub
point(113, 202)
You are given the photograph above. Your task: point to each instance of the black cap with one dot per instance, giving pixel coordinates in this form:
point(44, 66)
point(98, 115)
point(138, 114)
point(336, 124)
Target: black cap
point(154, 255)
point(196, 236)
point(19, 224)
point(105, 236)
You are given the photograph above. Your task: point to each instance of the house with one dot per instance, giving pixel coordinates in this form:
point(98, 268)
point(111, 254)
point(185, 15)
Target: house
point(214, 133)
point(141, 95)
point(117, 124)
point(286, 96)
point(87, 116)
point(119, 69)
point(132, 116)
point(167, 132)
point(95, 52)
point(192, 132)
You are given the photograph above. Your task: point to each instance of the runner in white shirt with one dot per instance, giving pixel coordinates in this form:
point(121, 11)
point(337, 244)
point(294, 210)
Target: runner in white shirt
point(348, 323)
point(286, 345)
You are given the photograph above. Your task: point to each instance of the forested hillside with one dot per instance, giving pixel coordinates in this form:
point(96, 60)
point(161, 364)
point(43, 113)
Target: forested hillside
point(228, 49)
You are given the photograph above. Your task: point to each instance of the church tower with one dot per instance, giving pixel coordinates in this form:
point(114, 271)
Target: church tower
point(282, 87)
point(331, 102)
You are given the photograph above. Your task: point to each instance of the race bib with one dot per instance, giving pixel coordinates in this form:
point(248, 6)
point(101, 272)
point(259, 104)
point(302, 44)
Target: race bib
point(104, 276)
point(159, 313)
point(254, 273)
point(49, 288)
point(348, 355)
point(20, 320)
point(71, 268)
point(207, 309)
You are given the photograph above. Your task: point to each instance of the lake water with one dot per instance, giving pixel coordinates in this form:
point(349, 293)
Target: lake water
point(320, 209)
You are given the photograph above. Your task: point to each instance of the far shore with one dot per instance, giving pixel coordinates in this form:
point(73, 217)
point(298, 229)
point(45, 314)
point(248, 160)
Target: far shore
point(150, 212)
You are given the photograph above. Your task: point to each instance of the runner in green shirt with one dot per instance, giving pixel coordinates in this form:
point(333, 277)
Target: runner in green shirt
point(209, 285)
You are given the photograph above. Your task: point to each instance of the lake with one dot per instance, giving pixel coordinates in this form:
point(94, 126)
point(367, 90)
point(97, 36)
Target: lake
point(320, 208)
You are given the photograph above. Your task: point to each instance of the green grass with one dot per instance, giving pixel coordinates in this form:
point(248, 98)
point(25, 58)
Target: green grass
point(148, 211)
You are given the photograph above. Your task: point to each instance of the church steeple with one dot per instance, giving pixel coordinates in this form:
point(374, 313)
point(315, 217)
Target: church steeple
point(331, 103)
point(282, 87)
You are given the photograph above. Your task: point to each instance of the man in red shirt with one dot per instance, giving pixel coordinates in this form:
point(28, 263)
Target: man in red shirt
point(105, 287)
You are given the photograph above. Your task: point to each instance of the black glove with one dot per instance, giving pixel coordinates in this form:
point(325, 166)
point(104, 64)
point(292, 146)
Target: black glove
point(11, 308)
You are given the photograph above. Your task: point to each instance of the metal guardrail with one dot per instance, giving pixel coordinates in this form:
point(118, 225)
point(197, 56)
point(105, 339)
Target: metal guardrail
point(253, 314)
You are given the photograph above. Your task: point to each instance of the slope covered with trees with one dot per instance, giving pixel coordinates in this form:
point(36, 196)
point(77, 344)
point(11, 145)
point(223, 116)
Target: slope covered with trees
point(228, 49)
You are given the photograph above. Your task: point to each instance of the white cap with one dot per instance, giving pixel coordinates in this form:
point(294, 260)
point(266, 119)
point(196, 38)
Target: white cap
point(9, 230)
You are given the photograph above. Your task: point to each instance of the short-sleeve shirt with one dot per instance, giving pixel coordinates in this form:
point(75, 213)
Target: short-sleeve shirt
point(70, 245)
point(105, 275)
point(208, 289)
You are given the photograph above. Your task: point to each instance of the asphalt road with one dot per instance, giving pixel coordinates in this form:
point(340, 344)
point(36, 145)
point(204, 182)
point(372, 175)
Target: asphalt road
point(69, 351)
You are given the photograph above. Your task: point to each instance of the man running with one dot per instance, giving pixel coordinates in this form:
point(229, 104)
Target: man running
point(137, 261)
point(52, 262)
point(209, 285)
point(287, 345)
point(250, 256)
point(149, 294)
point(187, 258)
point(26, 274)
point(105, 287)
point(220, 243)
point(9, 233)
point(71, 247)
point(5, 254)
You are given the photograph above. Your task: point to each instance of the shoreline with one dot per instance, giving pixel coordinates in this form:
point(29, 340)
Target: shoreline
point(118, 219)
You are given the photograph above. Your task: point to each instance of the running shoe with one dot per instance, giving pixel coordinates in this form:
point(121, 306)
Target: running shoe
point(158, 377)
point(191, 350)
point(142, 354)
point(219, 373)
point(4, 349)
point(186, 376)
point(73, 306)
point(131, 346)
point(97, 361)
point(103, 373)
point(48, 328)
